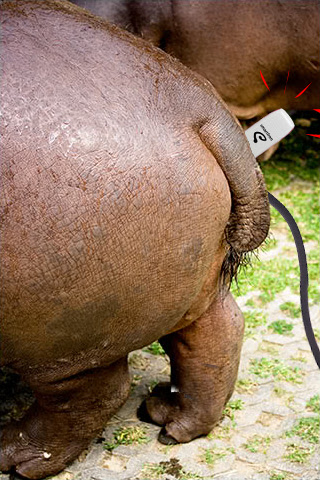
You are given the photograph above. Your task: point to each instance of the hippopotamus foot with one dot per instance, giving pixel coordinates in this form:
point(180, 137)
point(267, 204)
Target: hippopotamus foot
point(204, 364)
point(65, 417)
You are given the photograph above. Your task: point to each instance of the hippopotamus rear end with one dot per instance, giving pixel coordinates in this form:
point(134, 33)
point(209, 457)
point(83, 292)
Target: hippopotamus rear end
point(125, 184)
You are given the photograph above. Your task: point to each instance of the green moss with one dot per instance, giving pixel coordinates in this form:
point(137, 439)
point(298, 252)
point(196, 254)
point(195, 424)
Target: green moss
point(294, 172)
point(281, 326)
point(268, 348)
point(269, 243)
point(135, 381)
point(278, 476)
point(221, 432)
point(127, 436)
point(152, 385)
point(304, 206)
point(211, 455)
point(254, 319)
point(273, 276)
point(279, 391)
point(155, 348)
point(257, 444)
point(314, 404)
point(291, 309)
point(298, 453)
point(270, 277)
point(246, 385)
point(307, 428)
point(297, 158)
point(250, 303)
point(231, 407)
point(299, 358)
point(267, 367)
point(316, 332)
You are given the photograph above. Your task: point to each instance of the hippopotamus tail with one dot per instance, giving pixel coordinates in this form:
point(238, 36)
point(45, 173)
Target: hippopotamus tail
point(249, 220)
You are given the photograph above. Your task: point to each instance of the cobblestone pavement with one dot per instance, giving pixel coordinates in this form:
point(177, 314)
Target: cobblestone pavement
point(270, 428)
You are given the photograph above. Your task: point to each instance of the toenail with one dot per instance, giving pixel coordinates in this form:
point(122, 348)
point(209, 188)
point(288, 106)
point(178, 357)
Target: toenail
point(46, 455)
point(174, 388)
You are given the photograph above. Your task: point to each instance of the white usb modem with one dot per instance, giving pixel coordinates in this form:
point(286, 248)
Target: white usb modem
point(268, 131)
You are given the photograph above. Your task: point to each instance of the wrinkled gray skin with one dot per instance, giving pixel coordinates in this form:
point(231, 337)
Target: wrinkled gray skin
point(125, 182)
point(229, 42)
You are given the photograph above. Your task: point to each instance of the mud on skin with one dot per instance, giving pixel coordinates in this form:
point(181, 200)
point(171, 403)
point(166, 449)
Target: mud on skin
point(125, 181)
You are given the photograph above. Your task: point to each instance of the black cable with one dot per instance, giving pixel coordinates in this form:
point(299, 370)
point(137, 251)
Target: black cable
point(304, 280)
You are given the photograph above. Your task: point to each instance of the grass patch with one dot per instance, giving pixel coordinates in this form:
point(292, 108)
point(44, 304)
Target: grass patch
point(278, 476)
point(139, 361)
point(231, 407)
point(299, 358)
point(314, 404)
point(290, 309)
point(307, 428)
point(152, 385)
point(211, 455)
point(253, 319)
point(273, 276)
point(136, 379)
point(127, 436)
point(155, 348)
point(269, 244)
point(270, 277)
point(313, 259)
point(280, 392)
point(257, 444)
point(250, 303)
point(282, 327)
point(220, 432)
point(267, 367)
point(298, 453)
point(294, 170)
point(304, 202)
point(297, 157)
point(316, 332)
point(266, 347)
point(246, 386)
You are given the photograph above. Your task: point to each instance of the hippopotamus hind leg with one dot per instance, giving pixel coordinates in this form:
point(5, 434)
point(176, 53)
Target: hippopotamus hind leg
point(204, 364)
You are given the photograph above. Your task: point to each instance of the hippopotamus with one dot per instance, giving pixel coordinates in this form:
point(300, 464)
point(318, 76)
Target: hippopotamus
point(230, 43)
point(129, 194)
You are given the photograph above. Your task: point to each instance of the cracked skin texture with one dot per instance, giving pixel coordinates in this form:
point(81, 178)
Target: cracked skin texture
point(124, 181)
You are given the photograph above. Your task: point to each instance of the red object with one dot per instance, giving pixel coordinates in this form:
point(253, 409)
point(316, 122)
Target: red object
point(303, 91)
point(264, 81)
point(311, 134)
point(286, 82)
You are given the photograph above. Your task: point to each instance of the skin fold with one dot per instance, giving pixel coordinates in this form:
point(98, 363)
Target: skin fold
point(125, 183)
